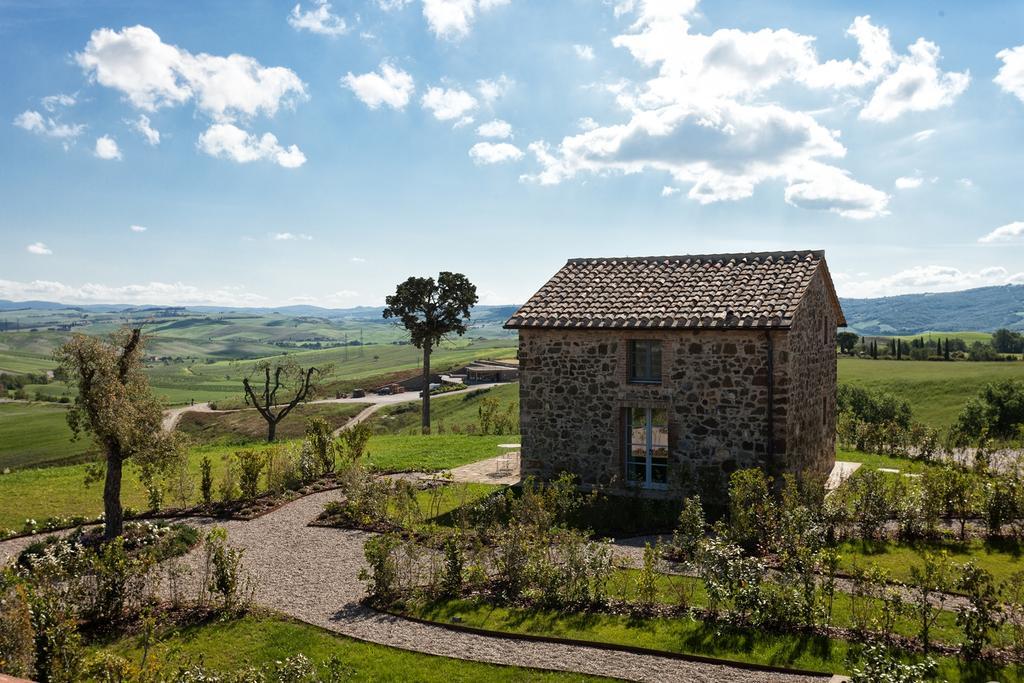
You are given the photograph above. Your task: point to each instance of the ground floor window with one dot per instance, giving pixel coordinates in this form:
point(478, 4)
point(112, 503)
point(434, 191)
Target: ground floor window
point(646, 446)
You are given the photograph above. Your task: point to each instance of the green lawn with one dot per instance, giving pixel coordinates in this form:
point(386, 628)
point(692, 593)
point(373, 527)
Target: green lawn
point(36, 434)
point(262, 640)
point(39, 493)
point(446, 412)
point(936, 390)
point(402, 453)
point(678, 635)
point(999, 558)
point(248, 426)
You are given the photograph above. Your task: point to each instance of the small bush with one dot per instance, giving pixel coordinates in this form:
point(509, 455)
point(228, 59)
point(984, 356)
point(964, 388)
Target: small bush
point(250, 467)
point(206, 480)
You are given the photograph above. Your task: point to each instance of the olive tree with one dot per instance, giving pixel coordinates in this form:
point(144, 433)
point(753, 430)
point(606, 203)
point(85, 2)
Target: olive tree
point(114, 405)
point(431, 310)
point(285, 384)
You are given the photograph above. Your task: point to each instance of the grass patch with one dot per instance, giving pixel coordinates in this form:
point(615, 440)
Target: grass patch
point(937, 391)
point(446, 412)
point(262, 640)
point(248, 426)
point(39, 493)
point(999, 557)
point(33, 434)
point(429, 453)
point(682, 636)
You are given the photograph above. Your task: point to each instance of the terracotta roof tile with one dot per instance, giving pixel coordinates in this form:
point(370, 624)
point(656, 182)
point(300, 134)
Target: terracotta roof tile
point(755, 290)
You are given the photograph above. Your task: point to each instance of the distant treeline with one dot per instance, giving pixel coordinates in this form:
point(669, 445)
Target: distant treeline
point(1003, 346)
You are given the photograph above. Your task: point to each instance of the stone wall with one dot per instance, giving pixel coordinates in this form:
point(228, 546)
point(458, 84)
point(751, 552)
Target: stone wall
point(811, 418)
point(715, 387)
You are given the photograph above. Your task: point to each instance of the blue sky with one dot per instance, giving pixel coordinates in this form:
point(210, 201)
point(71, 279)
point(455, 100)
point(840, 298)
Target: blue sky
point(320, 153)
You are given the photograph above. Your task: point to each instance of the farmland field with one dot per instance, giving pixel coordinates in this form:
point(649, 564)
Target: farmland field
point(936, 390)
point(36, 434)
point(248, 426)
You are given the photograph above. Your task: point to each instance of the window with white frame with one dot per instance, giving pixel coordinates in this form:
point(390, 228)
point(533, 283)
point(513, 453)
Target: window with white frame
point(646, 442)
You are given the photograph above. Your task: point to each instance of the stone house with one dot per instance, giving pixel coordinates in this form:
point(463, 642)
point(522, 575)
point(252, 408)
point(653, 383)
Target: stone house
point(665, 374)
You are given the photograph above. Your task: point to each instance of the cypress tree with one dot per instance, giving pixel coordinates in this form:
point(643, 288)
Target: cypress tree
point(946, 354)
point(899, 350)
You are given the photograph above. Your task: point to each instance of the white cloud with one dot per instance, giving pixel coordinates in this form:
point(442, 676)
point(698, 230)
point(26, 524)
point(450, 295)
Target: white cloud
point(154, 74)
point(53, 102)
point(966, 183)
point(357, 259)
point(495, 129)
point(491, 90)
point(143, 127)
point(930, 278)
point(138, 228)
point(1011, 74)
point(908, 182)
point(922, 135)
point(393, 5)
point(453, 19)
point(39, 249)
point(227, 141)
point(494, 153)
point(586, 123)
point(448, 103)
point(1004, 233)
point(916, 85)
point(34, 122)
point(668, 191)
point(106, 148)
point(157, 293)
point(584, 52)
point(391, 86)
point(317, 20)
point(832, 189)
point(291, 237)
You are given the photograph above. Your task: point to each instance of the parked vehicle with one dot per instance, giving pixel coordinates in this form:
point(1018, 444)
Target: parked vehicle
point(358, 393)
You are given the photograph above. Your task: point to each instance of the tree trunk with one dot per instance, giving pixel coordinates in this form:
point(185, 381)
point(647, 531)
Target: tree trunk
point(426, 389)
point(271, 430)
point(113, 515)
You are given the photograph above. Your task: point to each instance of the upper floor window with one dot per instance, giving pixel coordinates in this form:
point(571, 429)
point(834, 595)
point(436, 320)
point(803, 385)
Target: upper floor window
point(645, 361)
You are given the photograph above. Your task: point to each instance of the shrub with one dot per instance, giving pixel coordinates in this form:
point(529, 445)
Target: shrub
point(206, 480)
point(228, 488)
point(17, 638)
point(454, 565)
point(879, 665)
point(751, 508)
point(997, 412)
point(689, 531)
point(930, 582)
point(250, 467)
point(869, 495)
point(383, 574)
point(647, 578)
point(119, 577)
point(223, 566)
point(354, 438)
point(873, 407)
point(321, 444)
point(978, 618)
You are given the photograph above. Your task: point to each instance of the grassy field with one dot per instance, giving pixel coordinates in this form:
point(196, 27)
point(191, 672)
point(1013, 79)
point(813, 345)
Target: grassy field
point(446, 412)
point(34, 434)
point(936, 390)
point(247, 426)
point(227, 645)
point(59, 491)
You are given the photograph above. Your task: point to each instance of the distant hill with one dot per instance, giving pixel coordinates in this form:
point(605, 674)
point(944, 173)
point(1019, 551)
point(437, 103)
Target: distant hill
point(983, 309)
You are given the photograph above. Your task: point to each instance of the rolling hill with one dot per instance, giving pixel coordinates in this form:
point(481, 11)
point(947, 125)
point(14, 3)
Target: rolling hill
point(983, 310)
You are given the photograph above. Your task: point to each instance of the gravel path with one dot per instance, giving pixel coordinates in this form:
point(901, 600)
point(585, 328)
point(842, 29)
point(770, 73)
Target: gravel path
point(310, 573)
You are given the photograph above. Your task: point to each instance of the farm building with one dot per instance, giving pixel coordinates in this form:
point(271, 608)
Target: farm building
point(665, 374)
point(483, 371)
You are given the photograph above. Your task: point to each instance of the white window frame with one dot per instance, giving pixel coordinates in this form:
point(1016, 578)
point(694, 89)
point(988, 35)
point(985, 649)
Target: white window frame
point(648, 482)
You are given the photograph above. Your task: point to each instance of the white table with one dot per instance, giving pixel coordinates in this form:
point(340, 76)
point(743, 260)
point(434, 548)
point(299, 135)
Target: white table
point(509, 452)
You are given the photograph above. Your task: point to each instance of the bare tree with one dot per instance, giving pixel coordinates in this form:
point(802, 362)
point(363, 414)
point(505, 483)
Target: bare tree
point(294, 383)
point(430, 311)
point(116, 406)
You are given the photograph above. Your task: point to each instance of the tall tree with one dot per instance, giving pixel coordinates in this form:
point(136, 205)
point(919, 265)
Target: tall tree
point(431, 311)
point(285, 384)
point(846, 341)
point(115, 405)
